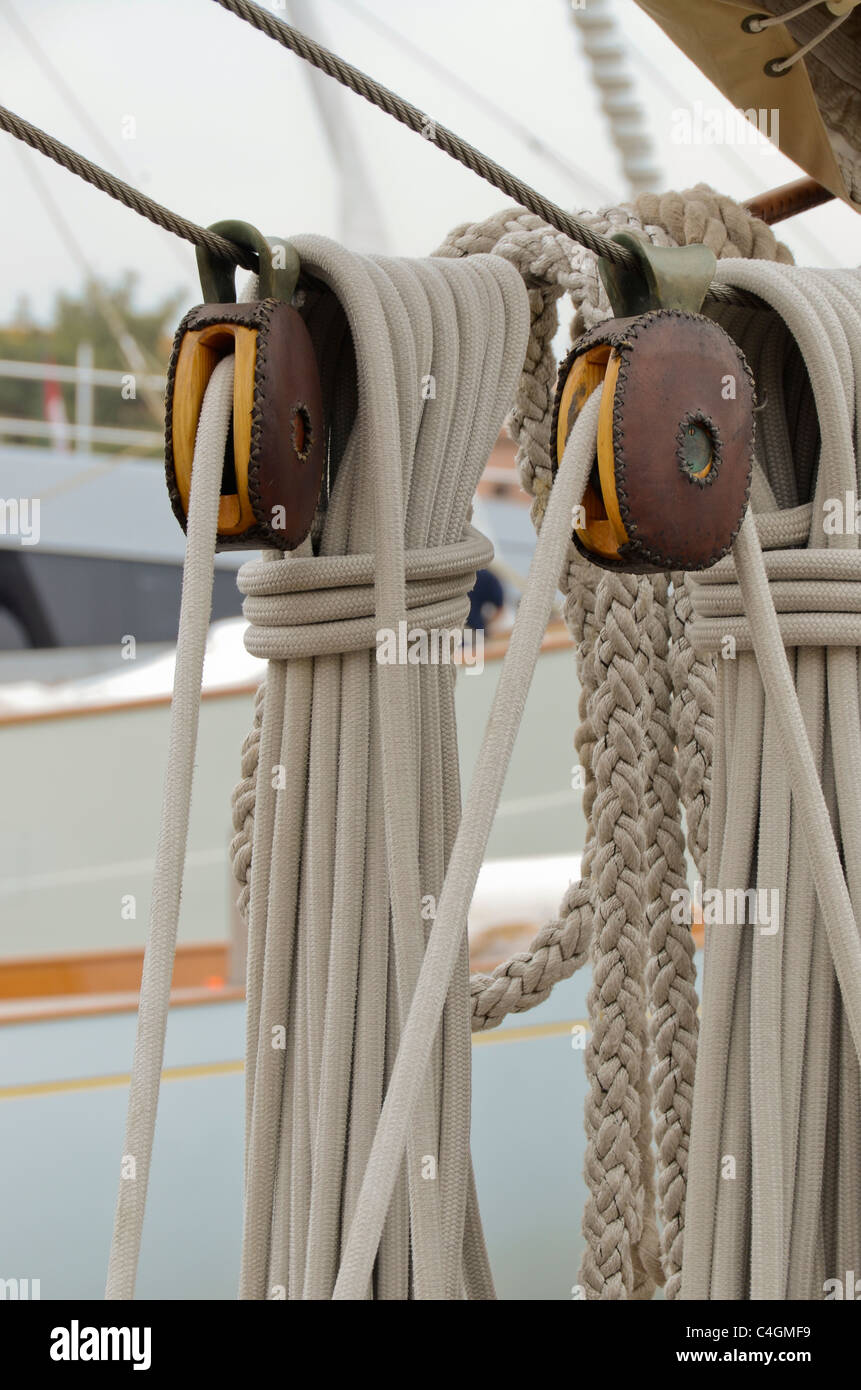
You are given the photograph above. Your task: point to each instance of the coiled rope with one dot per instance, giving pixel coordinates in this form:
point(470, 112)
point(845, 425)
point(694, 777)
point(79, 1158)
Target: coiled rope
point(407, 324)
point(654, 672)
point(790, 775)
point(778, 1078)
point(311, 1241)
point(348, 742)
point(549, 263)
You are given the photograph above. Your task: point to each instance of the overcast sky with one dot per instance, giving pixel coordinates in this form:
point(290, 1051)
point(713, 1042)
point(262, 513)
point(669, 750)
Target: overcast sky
point(224, 125)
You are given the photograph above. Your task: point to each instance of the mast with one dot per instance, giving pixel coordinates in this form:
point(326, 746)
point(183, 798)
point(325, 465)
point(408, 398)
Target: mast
point(361, 224)
point(606, 53)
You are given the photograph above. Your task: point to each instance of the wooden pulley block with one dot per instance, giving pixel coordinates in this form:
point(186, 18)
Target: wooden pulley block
point(671, 480)
point(276, 449)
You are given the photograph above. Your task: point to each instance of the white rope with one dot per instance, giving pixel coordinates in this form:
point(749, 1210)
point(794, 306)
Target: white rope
point(785, 64)
point(466, 857)
point(173, 831)
point(463, 327)
point(309, 1131)
point(757, 23)
point(774, 1162)
point(373, 1000)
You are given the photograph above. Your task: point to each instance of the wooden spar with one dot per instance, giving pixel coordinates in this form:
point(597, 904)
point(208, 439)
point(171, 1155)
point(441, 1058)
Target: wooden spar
point(788, 200)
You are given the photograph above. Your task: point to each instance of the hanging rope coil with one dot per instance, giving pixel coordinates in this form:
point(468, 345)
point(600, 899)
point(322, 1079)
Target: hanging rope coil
point(777, 1034)
point(376, 1063)
point(549, 263)
point(426, 314)
point(619, 1189)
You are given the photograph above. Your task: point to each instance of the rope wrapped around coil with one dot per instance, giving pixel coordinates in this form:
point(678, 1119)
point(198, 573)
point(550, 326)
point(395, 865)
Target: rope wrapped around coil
point(670, 686)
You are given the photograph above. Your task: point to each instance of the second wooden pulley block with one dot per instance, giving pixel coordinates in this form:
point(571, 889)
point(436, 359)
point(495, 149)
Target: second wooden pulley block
point(671, 480)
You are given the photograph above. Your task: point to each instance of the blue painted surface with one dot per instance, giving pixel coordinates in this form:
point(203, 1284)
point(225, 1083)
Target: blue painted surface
point(59, 1155)
point(527, 1146)
point(102, 1045)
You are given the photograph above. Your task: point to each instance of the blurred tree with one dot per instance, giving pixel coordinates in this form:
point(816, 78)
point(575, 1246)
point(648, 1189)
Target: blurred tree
point(82, 318)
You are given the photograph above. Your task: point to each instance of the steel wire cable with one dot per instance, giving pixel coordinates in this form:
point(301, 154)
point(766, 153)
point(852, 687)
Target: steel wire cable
point(373, 92)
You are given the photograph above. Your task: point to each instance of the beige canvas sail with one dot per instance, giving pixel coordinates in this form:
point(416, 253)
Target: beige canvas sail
point(818, 99)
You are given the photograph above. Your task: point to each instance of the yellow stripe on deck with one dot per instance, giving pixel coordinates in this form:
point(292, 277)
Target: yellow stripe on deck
point(205, 1069)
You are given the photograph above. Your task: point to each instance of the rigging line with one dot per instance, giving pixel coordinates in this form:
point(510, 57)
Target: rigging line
point(28, 39)
point(417, 121)
point(377, 95)
point(113, 319)
point(124, 193)
point(607, 56)
point(451, 144)
point(478, 99)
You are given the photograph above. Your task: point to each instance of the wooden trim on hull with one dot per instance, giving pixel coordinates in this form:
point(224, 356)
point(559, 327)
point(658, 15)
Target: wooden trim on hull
point(98, 1005)
point(555, 639)
point(38, 988)
point(201, 965)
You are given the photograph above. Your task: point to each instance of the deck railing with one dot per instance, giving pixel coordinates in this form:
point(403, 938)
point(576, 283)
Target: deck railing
point(81, 429)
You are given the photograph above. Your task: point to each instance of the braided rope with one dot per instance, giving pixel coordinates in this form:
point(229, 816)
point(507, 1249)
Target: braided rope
point(693, 680)
point(616, 1061)
point(670, 970)
point(635, 664)
point(703, 216)
point(647, 619)
point(552, 264)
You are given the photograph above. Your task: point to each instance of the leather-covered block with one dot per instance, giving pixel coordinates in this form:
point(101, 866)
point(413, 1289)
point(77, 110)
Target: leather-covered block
point(675, 442)
point(271, 491)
